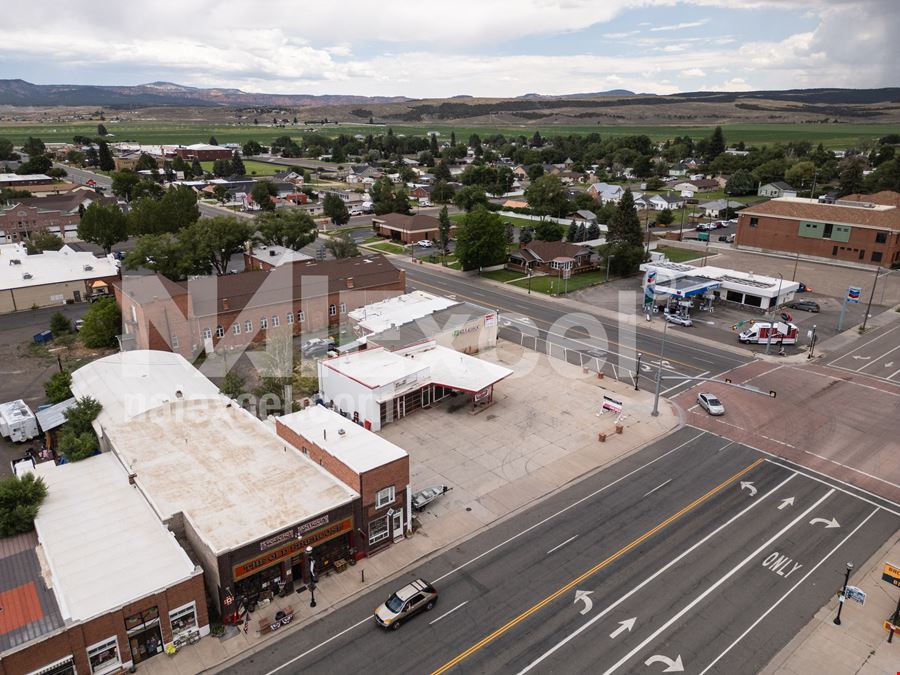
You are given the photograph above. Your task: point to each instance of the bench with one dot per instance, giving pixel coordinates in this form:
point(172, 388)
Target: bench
point(266, 626)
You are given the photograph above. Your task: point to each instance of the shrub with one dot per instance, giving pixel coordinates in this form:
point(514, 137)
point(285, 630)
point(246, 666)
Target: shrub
point(58, 387)
point(20, 501)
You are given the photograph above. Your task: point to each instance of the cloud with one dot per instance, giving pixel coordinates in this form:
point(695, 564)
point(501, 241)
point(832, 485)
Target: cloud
point(693, 72)
point(680, 26)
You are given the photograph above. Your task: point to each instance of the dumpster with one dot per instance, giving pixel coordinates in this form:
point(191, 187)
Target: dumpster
point(43, 336)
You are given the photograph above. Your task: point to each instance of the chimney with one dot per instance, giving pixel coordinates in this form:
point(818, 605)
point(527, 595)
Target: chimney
point(226, 304)
point(349, 282)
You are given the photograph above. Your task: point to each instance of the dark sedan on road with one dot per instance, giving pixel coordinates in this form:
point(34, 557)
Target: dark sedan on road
point(805, 305)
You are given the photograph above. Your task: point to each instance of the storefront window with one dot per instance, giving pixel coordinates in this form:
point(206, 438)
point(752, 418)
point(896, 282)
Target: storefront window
point(64, 666)
point(378, 530)
point(183, 619)
point(104, 656)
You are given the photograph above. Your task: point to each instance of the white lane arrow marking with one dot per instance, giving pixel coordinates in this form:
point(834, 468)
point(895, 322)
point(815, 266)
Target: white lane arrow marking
point(588, 603)
point(889, 364)
point(672, 666)
point(828, 523)
point(864, 358)
point(786, 502)
point(626, 625)
point(646, 368)
point(748, 485)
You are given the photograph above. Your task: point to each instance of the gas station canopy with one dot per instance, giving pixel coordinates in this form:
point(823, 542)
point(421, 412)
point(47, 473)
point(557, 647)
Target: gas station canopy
point(685, 287)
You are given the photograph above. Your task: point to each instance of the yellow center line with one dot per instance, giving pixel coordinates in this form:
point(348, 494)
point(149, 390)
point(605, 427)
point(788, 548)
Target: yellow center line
point(547, 324)
point(599, 566)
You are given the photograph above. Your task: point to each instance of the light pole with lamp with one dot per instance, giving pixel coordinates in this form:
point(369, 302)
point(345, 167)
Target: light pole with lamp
point(608, 258)
point(662, 351)
point(637, 371)
point(772, 323)
point(843, 595)
point(307, 555)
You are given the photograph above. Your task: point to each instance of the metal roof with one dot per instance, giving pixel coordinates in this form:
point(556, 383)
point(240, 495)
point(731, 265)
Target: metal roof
point(54, 416)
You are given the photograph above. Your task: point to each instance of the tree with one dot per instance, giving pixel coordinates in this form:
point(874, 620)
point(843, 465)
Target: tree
point(262, 193)
point(124, 183)
point(572, 233)
point(232, 384)
point(470, 197)
point(441, 192)
point(665, 217)
point(237, 164)
point(444, 226)
point(7, 151)
point(104, 157)
point(291, 228)
point(102, 323)
point(75, 157)
point(82, 413)
point(769, 171)
point(801, 174)
point(60, 324)
point(161, 253)
point(251, 147)
point(146, 163)
point(626, 258)
point(104, 225)
point(77, 446)
point(442, 172)
point(625, 226)
point(58, 387)
point(535, 171)
point(400, 202)
point(20, 501)
point(335, 208)
point(35, 164)
point(526, 235)
point(593, 232)
point(716, 144)
point(196, 167)
point(547, 196)
point(220, 192)
point(43, 241)
point(548, 230)
point(342, 246)
point(741, 182)
point(480, 239)
point(214, 240)
point(851, 178)
point(34, 146)
point(213, 141)
point(175, 210)
point(101, 130)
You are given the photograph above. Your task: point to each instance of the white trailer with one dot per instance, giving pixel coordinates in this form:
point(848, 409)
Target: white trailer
point(17, 421)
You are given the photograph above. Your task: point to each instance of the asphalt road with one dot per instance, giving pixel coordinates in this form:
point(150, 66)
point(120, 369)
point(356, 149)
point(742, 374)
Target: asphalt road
point(581, 338)
point(878, 355)
point(696, 554)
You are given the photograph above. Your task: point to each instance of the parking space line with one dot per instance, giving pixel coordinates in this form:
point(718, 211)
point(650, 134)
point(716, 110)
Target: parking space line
point(712, 587)
point(789, 591)
point(656, 574)
point(446, 614)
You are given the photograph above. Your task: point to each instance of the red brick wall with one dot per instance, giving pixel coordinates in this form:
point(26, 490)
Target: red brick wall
point(317, 454)
point(79, 637)
point(16, 226)
point(395, 473)
point(780, 234)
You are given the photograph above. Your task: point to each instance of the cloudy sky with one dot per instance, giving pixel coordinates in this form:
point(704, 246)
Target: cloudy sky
point(426, 48)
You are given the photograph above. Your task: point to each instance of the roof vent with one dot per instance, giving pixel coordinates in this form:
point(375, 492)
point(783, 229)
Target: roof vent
point(27, 275)
point(88, 268)
point(273, 252)
point(15, 261)
point(341, 432)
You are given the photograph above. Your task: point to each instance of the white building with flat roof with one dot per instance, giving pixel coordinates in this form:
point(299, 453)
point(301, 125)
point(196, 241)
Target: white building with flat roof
point(392, 312)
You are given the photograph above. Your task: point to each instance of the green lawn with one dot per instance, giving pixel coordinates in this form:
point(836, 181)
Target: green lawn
point(252, 168)
point(388, 247)
point(503, 275)
point(830, 135)
point(521, 222)
point(555, 286)
point(679, 254)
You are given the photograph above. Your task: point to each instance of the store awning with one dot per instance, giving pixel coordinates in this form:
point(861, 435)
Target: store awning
point(99, 284)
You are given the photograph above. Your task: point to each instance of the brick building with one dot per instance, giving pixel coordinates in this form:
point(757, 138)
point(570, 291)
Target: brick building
point(408, 229)
point(238, 309)
point(57, 214)
point(552, 257)
point(863, 229)
point(110, 587)
point(203, 152)
point(372, 466)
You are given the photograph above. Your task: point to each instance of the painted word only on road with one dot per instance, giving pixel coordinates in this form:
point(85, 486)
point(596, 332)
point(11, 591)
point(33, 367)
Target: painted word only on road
point(780, 564)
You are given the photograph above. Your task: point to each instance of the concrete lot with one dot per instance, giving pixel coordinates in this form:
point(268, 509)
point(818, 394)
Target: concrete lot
point(531, 441)
point(842, 425)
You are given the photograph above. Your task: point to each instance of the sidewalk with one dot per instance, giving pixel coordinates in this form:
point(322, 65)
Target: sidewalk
point(859, 645)
point(536, 456)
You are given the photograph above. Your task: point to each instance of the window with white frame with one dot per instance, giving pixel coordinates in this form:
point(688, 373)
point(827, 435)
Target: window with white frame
point(220, 332)
point(290, 317)
point(183, 619)
point(104, 656)
point(384, 497)
point(207, 333)
point(342, 308)
point(301, 316)
point(332, 310)
point(378, 530)
point(263, 323)
point(236, 328)
point(248, 326)
point(275, 320)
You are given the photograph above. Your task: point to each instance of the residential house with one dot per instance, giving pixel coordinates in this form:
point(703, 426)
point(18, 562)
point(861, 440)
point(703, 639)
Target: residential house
point(288, 177)
point(422, 193)
point(660, 202)
point(583, 216)
point(359, 172)
point(697, 185)
point(713, 208)
point(605, 193)
point(776, 189)
point(551, 257)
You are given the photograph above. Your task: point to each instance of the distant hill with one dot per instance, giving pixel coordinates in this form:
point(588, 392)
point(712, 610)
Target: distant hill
point(22, 93)
point(596, 94)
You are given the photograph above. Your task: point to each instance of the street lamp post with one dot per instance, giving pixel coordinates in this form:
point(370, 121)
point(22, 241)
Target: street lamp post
point(812, 342)
point(637, 371)
point(608, 258)
point(772, 323)
point(307, 556)
point(843, 595)
point(871, 295)
point(662, 351)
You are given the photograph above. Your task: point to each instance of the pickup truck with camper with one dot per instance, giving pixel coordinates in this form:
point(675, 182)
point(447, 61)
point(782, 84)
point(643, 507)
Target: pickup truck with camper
point(762, 332)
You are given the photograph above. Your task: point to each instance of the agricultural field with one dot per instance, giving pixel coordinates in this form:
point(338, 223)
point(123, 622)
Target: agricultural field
point(830, 135)
point(252, 167)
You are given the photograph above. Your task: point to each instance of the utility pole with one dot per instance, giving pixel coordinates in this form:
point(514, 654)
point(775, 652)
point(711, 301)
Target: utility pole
point(871, 296)
point(843, 595)
point(772, 323)
point(812, 342)
point(662, 350)
point(796, 262)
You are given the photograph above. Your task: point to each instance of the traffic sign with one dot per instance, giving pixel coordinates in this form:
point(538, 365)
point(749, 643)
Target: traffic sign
point(891, 574)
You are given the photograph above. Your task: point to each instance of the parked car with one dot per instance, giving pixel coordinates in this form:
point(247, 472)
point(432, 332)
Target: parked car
point(678, 319)
point(413, 598)
point(424, 243)
point(804, 288)
point(317, 346)
point(729, 238)
point(805, 305)
point(710, 403)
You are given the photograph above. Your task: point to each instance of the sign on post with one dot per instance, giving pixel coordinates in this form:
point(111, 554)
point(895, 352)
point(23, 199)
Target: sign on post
point(891, 574)
point(856, 594)
point(610, 403)
point(853, 294)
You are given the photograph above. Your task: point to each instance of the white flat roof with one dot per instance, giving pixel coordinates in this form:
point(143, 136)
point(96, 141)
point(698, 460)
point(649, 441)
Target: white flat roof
point(454, 369)
point(130, 383)
point(51, 267)
point(233, 478)
point(15, 177)
point(375, 368)
point(278, 255)
point(358, 448)
point(380, 316)
point(103, 543)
